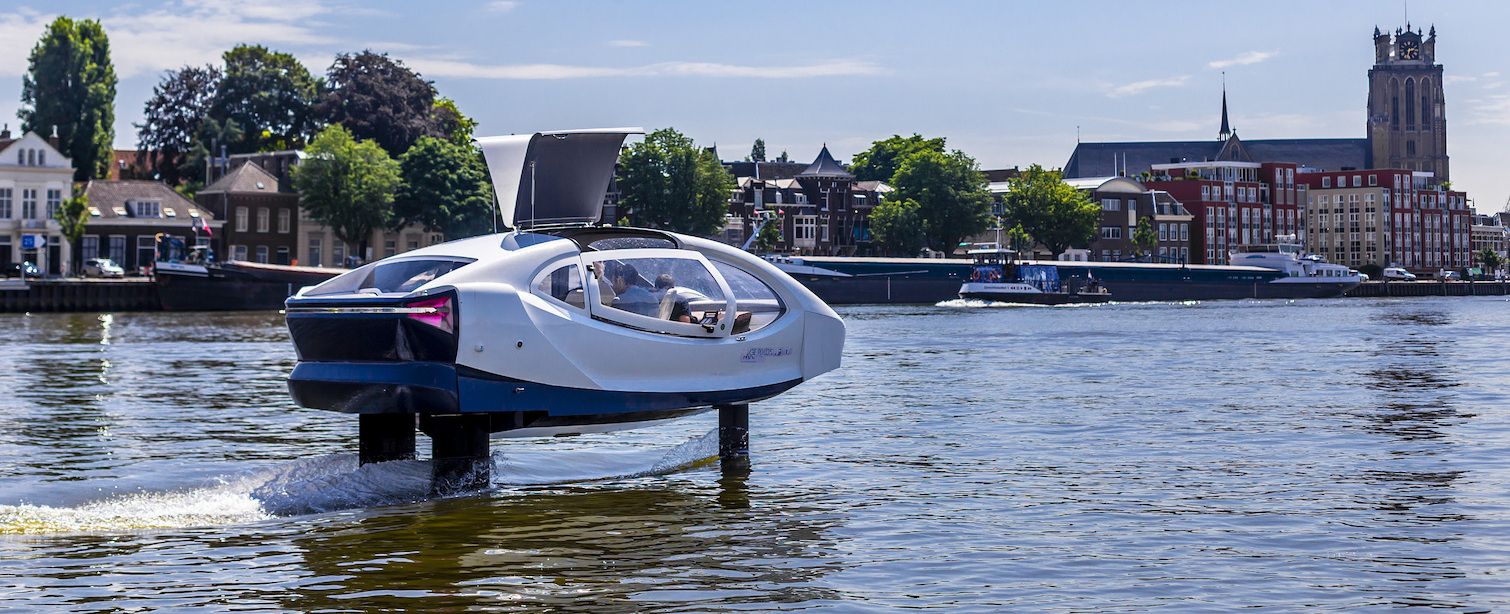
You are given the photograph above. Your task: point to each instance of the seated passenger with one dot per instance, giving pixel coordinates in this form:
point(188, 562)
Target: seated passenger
point(630, 292)
point(672, 306)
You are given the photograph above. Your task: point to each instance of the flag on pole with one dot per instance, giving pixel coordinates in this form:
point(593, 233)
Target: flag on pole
point(205, 224)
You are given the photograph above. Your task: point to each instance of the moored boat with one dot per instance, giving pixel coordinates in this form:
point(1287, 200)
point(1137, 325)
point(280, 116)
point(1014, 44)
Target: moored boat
point(997, 276)
point(192, 280)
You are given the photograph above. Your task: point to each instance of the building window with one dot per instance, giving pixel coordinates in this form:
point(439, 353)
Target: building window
point(314, 253)
point(264, 216)
point(144, 208)
point(1373, 180)
point(118, 249)
point(1111, 232)
point(390, 248)
point(1326, 182)
point(262, 253)
point(241, 219)
point(54, 201)
point(239, 251)
point(91, 246)
point(1111, 204)
point(1205, 192)
point(413, 245)
point(146, 250)
point(283, 255)
point(5, 203)
point(283, 220)
point(338, 254)
point(28, 204)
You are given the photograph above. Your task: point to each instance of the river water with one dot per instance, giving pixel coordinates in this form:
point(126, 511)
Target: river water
point(1293, 455)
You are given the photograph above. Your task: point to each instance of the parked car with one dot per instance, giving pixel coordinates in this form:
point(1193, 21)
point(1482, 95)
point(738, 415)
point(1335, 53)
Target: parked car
point(1356, 273)
point(102, 267)
point(20, 269)
point(1449, 276)
point(1398, 273)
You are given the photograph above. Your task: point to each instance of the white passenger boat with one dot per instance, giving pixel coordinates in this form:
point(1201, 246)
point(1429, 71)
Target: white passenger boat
point(996, 275)
point(561, 326)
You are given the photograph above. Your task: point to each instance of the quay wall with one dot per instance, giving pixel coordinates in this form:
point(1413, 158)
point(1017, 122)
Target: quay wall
point(1429, 288)
point(135, 294)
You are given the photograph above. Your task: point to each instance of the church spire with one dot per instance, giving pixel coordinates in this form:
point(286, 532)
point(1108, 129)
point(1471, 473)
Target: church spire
point(1226, 130)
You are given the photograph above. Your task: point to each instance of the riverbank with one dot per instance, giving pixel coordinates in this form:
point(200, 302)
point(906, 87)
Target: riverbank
point(69, 295)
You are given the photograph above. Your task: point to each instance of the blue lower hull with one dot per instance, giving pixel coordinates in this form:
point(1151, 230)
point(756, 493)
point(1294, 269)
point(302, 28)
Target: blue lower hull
point(419, 387)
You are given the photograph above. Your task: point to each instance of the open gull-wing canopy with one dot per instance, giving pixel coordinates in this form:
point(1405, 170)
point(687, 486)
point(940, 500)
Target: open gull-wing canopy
point(553, 177)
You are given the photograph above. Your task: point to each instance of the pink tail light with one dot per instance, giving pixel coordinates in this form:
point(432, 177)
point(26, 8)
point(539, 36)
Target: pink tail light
point(436, 312)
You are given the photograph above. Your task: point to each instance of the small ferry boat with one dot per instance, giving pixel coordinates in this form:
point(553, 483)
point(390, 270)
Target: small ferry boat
point(997, 276)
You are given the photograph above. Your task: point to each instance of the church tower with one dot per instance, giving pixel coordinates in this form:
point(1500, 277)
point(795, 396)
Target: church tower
point(1407, 118)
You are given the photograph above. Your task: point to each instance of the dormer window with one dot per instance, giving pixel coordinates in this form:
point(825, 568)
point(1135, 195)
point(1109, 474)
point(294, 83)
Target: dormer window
point(42, 158)
point(144, 208)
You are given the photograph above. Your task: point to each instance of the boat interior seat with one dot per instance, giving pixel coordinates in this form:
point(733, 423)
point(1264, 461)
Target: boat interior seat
point(742, 322)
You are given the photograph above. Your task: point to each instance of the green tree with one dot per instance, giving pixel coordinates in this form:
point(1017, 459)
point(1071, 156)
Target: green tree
point(897, 226)
point(950, 193)
point(445, 188)
point(769, 235)
point(1049, 210)
point(378, 98)
point(1145, 238)
point(70, 85)
point(670, 183)
point(347, 185)
point(210, 135)
point(881, 161)
point(757, 151)
point(180, 102)
point(72, 216)
point(1490, 259)
point(270, 95)
point(449, 121)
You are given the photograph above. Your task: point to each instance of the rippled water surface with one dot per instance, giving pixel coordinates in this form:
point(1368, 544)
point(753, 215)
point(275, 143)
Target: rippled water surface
point(1307, 455)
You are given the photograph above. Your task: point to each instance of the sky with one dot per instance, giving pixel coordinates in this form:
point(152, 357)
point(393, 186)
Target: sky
point(1009, 83)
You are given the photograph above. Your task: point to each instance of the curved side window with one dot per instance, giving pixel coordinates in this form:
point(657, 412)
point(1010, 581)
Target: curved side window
point(659, 290)
point(563, 284)
point(752, 297)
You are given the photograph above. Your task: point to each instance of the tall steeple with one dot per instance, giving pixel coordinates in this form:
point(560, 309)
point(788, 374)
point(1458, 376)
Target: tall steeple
point(1226, 130)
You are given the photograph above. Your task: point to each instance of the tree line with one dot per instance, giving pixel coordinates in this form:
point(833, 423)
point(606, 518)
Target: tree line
point(384, 150)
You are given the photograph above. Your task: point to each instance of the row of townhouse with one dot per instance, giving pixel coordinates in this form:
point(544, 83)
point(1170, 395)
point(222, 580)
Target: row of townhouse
point(250, 211)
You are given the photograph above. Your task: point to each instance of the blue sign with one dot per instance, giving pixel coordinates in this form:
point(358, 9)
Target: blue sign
point(33, 241)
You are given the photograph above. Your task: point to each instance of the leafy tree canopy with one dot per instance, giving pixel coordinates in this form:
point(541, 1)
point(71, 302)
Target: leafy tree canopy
point(378, 98)
point(670, 183)
point(270, 95)
point(450, 123)
point(445, 188)
point(950, 193)
point(347, 185)
point(1145, 238)
point(1490, 259)
point(769, 235)
point(1056, 215)
point(881, 161)
point(179, 104)
point(757, 151)
point(73, 214)
point(897, 226)
point(70, 84)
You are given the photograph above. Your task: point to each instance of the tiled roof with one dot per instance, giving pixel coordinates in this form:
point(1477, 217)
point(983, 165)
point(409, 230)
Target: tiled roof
point(1105, 159)
point(243, 179)
point(109, 198)
point(826, 166)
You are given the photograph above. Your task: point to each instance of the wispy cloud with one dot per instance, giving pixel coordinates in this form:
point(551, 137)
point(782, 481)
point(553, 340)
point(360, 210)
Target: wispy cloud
point(452, 68)
point(627, 43)
point(1143, 86)
point(502, 6)
point(1491, 110)
point(144, 41)
point(1251, 57)
point(19, 31)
